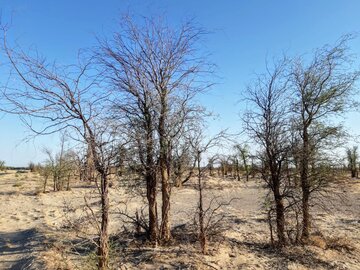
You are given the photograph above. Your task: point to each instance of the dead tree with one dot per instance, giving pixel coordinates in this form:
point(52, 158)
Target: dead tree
point(158, 70)
point(64, 98)
point(323, 89)
point(268, 124)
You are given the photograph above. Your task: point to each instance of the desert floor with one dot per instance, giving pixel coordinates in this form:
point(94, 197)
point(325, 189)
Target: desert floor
point(55, 230)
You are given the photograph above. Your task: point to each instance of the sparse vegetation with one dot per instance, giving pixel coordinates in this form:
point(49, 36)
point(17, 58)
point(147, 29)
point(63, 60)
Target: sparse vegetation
point(132, 133)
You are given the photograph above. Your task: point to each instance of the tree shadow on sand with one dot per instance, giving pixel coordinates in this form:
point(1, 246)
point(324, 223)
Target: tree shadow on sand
point(279, 258)
point(16, 248)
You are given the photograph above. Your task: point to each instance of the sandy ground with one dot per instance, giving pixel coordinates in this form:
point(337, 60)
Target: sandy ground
point(52, 230)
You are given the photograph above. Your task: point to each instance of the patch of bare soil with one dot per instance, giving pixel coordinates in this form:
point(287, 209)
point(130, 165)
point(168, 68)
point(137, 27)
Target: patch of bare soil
point(56, 230)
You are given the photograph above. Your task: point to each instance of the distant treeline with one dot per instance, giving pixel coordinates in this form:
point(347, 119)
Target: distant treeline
point(17, 168)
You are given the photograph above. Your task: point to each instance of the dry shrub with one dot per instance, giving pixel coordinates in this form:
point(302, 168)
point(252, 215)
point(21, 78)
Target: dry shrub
point(318, 241)
point(55, 258)
point(341, 244)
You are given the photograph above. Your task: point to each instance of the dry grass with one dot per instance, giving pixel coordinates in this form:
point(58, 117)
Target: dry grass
point(341, 244)
point(54, 259)
point(318, 241)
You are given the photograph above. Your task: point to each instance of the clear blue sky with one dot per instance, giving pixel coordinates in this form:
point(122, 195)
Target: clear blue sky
point(244, 33)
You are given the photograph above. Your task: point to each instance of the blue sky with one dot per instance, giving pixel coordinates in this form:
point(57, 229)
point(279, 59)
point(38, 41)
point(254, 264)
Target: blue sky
point(243, 34)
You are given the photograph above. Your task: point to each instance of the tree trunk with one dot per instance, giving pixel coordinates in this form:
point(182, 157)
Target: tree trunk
point(179, 174)
point(305, 186)
point(202, 233)
point(55, 178)
point(151, 183)
point(353, 173)
point(165, 221)
point(270, 227)
point(306, 215)
point(279, 204)
point(151, 197)
point(280, 220)
point(163, 163)
point(103, 244)
point(103, 249)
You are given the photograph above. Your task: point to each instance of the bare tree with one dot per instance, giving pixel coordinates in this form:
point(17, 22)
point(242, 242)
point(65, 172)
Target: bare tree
point(125, 72)
point(268, 123)
point(323, 88)
point(206, 215)
point(56, 166)
point(64, 98)
point(158, 70)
